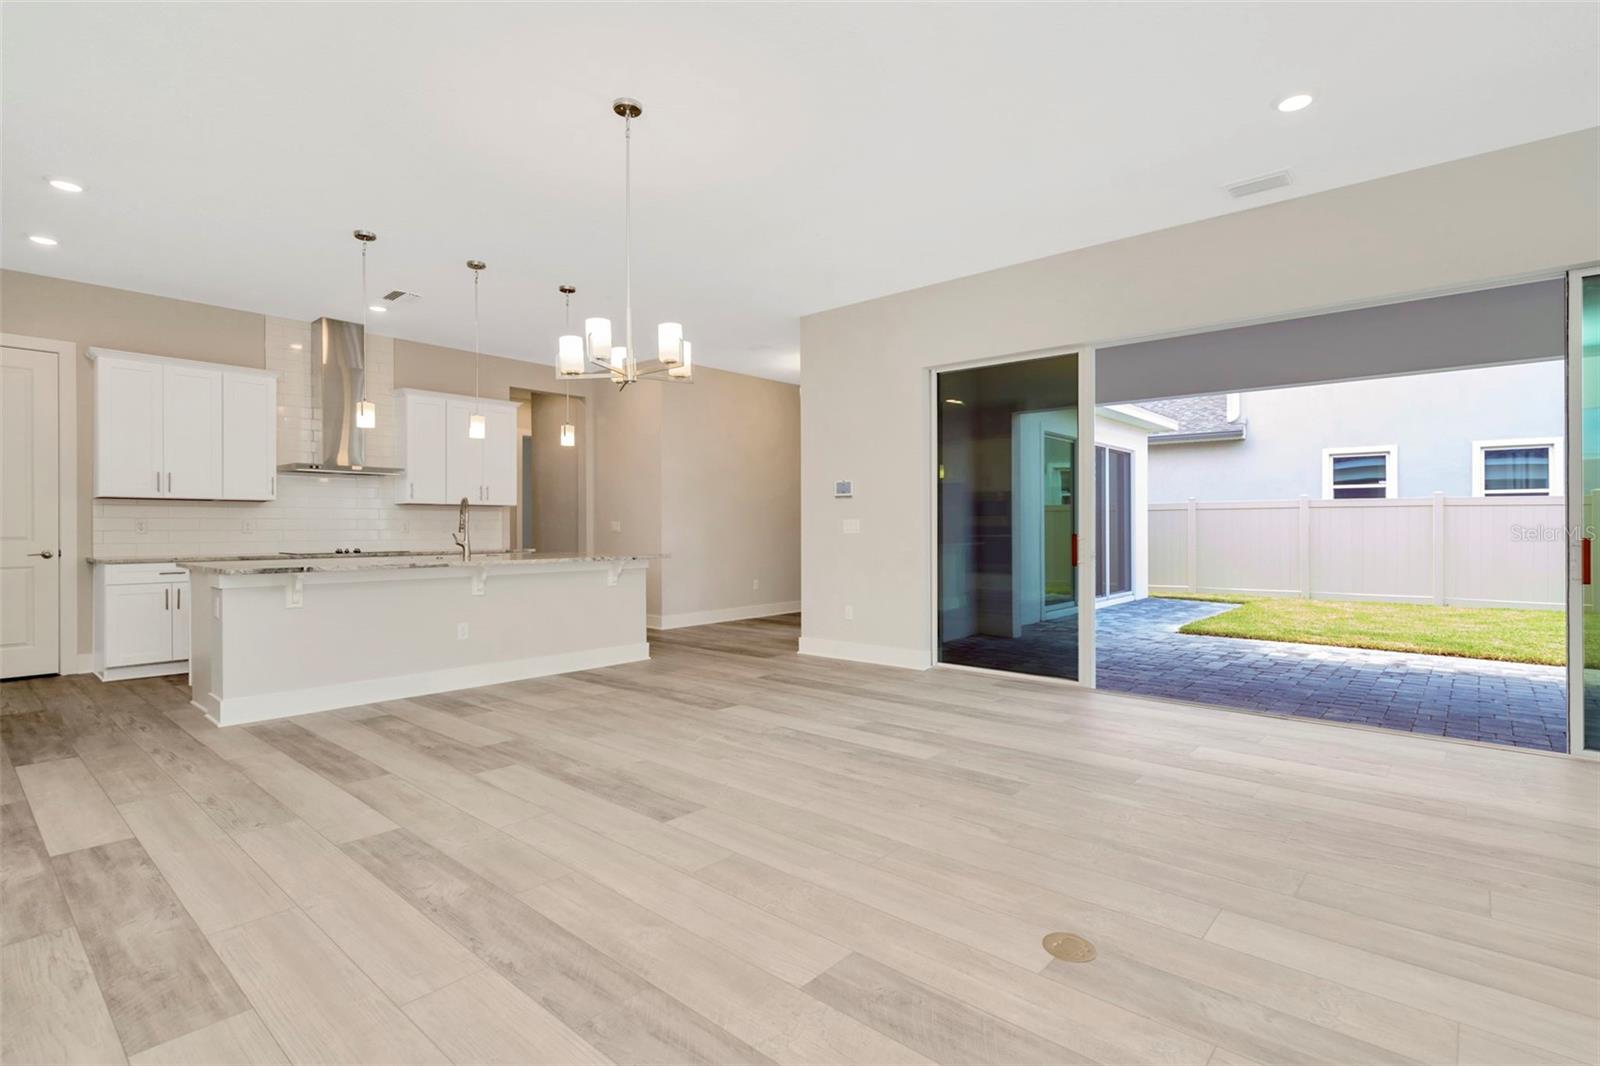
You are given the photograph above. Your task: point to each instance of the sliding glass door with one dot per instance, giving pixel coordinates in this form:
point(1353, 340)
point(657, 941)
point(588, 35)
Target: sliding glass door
point(1584, 405)
point(1009, 592)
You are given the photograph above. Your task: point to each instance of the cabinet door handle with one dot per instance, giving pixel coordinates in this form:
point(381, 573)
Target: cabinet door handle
point(169, 481)
point(179, 597)
point(158, 481)
point(413, 490)
point(166, 599)
point(274, 484)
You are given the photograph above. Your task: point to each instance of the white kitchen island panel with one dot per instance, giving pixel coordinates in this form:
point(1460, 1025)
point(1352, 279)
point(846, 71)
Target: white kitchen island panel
point(272, 640)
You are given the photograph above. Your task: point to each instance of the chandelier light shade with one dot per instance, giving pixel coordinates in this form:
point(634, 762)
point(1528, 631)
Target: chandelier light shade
point(477, 427)
point(569, 351)
point(366, 415)
point(597, 339)
point(682, 371)
point(569, 435)
point(594, 355)
point(669, 343)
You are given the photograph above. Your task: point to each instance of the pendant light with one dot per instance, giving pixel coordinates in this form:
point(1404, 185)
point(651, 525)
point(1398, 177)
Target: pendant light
point(594, 355)
point(477, 428)
point(366, 410)
point(569, 432)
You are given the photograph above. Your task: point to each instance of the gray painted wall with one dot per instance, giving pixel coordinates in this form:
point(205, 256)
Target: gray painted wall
point(1431, 418)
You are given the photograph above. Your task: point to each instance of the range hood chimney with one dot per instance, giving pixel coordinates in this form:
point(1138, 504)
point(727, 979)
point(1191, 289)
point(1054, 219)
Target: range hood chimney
point(338, 374)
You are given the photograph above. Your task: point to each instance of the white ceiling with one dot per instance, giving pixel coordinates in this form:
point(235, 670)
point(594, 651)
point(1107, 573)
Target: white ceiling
point(791, 158)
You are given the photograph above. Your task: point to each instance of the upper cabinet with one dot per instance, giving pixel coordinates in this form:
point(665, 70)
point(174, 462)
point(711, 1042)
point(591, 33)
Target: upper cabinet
point(443, 462)
point(178, 429)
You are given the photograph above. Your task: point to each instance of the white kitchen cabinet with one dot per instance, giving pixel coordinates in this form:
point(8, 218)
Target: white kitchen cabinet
point(249, 437)
point(141, 620)
point(191, 431)
point(422, 422)
point(463, 455)
point(500, 456)
point(128, 431)
point(443, 464)
point(159, 429)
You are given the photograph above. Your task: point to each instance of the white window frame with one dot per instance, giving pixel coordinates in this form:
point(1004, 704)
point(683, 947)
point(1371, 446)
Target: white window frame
point(1391, 467)
point(1558, 474)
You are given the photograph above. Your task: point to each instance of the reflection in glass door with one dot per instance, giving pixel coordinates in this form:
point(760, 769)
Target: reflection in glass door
point(1060, 525)
point(1008, 582)
point(1114, 522)
point(1585, 618)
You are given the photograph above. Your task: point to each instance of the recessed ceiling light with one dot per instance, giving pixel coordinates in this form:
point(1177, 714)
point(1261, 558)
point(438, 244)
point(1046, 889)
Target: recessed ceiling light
point(64, 185)
point(377, 307)
point(1297, 102)
point(39, 238)
point(958, 403)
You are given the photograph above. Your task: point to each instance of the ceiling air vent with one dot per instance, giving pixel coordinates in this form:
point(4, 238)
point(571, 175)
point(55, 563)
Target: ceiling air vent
point(1251, 186)
point(401, 296)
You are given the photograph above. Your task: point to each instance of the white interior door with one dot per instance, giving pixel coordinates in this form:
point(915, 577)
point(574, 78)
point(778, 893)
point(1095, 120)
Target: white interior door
point(30, 548)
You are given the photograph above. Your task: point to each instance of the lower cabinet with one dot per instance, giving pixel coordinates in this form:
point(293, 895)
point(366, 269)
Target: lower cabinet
point(141, 620)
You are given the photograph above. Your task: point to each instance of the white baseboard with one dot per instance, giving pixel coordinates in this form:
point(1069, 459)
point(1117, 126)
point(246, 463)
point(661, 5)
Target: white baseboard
point(877, 654)
point(128, 673)
point(721, 614)
point(241, 710)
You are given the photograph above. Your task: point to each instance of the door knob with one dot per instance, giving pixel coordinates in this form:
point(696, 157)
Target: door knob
point(46, 554)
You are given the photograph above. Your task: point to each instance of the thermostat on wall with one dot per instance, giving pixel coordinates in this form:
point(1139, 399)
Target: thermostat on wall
point(841, 490)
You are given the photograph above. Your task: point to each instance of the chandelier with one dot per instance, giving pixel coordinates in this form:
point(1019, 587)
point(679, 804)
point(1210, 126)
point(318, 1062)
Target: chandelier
point(593, 355)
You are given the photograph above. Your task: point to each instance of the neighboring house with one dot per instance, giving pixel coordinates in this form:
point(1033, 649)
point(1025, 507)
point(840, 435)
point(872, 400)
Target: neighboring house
point(1482, 432)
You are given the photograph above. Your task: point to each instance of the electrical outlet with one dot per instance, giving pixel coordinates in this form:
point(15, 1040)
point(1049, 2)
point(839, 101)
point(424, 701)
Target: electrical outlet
point(405, 527)
point(852, 525)
point(461, 631)
point(247, 526)
point(141, 526)
point(849, 612)
point(755, 585)
point(616, 527)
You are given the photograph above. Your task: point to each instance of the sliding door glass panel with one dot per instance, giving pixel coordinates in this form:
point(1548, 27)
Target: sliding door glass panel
point(1590, 370)
point(1114, 515)
point(1007, 452)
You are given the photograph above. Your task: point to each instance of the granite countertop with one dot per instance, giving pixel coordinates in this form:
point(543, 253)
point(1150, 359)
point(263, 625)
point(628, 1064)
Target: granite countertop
point(342, 564)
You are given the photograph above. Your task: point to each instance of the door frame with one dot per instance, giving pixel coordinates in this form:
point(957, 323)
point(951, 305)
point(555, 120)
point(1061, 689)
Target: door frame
point(69, 660)
point(1576, 526)
point(1083, 491)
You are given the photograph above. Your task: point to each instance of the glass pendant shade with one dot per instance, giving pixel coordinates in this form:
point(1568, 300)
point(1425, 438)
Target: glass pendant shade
point(366, 415)
point(619, 358)
point(682, 370)
point(569, 435)
point(669, 343)
point(597, 332)
point(569, 354)
point(477, 428)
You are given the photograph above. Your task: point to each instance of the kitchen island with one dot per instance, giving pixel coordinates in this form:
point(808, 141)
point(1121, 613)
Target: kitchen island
point(273, 638)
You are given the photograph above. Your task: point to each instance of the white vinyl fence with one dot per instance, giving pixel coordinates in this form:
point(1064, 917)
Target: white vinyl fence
point(1499, 551)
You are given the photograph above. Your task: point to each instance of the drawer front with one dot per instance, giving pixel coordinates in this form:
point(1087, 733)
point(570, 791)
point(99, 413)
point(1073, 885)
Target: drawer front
point(145, 574)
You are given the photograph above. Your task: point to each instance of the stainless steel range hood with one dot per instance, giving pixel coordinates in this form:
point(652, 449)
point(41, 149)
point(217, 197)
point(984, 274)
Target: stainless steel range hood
point(338, 376)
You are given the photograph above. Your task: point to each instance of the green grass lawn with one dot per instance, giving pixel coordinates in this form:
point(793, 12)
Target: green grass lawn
point(1468, 632)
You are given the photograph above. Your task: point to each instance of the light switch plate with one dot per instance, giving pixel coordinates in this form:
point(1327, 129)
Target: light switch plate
point(616, 527)
point(852, 525)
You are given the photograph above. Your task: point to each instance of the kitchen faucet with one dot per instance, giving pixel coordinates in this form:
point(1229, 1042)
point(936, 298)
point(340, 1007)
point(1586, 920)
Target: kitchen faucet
point(463, 536)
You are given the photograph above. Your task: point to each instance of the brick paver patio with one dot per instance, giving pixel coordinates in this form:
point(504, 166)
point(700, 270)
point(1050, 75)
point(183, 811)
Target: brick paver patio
point(1139, 650)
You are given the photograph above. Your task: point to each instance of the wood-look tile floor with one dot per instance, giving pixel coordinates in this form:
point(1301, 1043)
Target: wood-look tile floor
point(735, 854)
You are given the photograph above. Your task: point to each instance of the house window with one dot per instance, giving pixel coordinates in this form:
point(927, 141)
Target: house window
point(1526, 467)
point(1359, 473)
